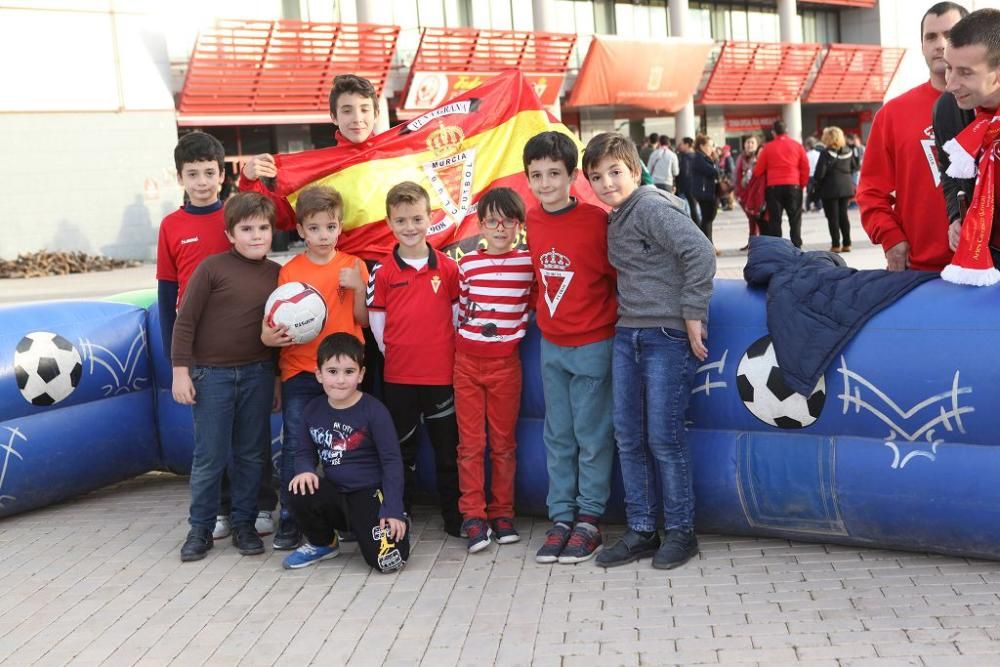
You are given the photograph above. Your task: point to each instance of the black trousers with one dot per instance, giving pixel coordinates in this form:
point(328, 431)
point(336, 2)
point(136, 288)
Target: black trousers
point(787, 198)
point(709, 209)
point(433, 405)
point(321, 513)
point(836, 220)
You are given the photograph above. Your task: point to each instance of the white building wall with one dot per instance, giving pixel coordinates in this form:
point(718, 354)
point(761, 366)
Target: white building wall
point(89, 128)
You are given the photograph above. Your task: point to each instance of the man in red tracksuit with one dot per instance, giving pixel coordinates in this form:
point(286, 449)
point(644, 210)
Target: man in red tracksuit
point(784, 165)
point(902, 205)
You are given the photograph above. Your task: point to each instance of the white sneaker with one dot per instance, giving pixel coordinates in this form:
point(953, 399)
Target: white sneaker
point(222, 528)
point(264, 524)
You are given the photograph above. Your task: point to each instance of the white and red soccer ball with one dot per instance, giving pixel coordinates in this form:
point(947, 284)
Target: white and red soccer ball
point(298, 306)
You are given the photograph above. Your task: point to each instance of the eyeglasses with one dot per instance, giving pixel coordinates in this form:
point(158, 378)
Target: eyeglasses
point(493, 223)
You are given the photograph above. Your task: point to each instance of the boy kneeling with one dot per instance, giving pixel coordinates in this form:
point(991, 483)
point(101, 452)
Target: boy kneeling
point(361, 489)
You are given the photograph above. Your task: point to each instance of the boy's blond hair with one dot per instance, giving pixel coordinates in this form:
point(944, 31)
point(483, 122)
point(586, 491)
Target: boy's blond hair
point(319, 199)
point(406, 192)
point(615, 146)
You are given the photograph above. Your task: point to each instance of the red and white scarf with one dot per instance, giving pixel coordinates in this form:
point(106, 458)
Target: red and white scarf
point(973, 263)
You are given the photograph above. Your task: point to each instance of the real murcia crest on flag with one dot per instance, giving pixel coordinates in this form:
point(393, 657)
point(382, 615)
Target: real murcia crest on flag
point(435, 283)
point(556, 278)
point(450, 175)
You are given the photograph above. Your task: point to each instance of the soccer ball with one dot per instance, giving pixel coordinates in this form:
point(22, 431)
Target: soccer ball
point(300, 308)
point(47, 367)
point(763, 390)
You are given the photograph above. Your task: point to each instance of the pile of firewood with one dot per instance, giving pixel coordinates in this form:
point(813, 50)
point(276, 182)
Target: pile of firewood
point(46, 263)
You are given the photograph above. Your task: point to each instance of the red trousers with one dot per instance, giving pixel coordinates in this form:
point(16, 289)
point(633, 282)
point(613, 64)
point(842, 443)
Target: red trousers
point(487, 399)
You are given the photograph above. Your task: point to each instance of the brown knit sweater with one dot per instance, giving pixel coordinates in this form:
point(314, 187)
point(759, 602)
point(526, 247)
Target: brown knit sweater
point(220, 317)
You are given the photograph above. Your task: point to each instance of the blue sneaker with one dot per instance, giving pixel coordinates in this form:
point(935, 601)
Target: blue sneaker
point(479, 534)
point(310, 554)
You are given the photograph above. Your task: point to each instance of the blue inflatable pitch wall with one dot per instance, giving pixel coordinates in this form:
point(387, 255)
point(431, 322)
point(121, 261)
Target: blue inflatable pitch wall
point(893, 449)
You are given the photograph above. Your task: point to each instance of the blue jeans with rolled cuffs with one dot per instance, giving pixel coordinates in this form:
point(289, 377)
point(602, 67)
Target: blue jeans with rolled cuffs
point(579, 442)
point(652, 376)
point(232, 428)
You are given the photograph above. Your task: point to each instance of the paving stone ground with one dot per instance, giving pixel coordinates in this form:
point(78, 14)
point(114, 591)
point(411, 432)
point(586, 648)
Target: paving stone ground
point(98, 580)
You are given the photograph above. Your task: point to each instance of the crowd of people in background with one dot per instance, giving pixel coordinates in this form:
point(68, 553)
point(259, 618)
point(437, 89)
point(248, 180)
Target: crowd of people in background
point(711, 177)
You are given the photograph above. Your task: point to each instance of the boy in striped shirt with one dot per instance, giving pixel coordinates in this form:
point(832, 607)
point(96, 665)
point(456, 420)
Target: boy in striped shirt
point(495, 284)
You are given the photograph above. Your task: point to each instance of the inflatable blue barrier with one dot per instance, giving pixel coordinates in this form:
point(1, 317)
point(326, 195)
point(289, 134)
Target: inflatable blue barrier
point(894, 448)
point(76, 406)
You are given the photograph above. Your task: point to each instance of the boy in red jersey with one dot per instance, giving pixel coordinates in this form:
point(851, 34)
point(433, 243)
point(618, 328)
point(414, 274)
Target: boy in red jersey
point(576, 315)
point(412, 310)
point(187, 236)
point(341, 280)
point(353, 109)
point(494, 294)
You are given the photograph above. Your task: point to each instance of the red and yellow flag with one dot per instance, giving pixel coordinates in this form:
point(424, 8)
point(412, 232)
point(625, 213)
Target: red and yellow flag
point(457, 152)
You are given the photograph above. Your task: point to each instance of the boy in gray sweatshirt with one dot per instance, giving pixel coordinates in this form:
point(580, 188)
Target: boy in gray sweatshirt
point(665, 269)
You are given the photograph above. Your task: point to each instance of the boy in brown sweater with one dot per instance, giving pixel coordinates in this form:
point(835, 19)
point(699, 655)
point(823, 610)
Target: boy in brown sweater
point(222, 368)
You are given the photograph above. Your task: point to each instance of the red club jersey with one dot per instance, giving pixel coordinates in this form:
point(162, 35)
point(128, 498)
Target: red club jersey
point(419, 305)
point(186, 239)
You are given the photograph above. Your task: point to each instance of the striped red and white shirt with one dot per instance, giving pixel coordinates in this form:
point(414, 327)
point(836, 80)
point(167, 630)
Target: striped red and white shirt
point(494, 294)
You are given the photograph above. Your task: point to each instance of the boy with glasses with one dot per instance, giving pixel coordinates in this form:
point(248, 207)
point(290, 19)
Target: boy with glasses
point(495, 284)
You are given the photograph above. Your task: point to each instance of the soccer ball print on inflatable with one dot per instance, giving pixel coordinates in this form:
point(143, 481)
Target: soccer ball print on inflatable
point(299, 307)
point(763, 391)
point(47, 368)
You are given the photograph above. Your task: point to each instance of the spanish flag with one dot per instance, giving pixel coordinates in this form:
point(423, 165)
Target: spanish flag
point(457, 152)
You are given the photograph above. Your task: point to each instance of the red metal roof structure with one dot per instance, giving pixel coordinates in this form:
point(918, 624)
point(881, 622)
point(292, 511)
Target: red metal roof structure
point(855, 73)
point(845, 3)
point(659, 76)
point(260, 72)
point(759, 73)
point(450, 61)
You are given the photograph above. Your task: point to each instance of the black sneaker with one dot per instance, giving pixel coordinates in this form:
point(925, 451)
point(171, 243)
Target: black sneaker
point(197, 544)
point(503, 528)
point(555, 541)
point(479, 534)
point(346, 536)
point(584, 542)
point(289, 536)
point(632, 546)
point(454, 528)
point(246, 539)
point(679, 547)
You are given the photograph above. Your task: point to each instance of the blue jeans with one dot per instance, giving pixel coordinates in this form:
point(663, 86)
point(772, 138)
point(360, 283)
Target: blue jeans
point(652, 376)
point(232, 427)
point(579, 443)
point(296, 393)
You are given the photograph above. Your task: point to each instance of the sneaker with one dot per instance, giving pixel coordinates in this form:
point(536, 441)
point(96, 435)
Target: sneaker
point(197, 545)
point(288, 536)
point(503, 528)
point(310, 554)
point(632, 546)
point(555, 541)
point(222, 528)
point(246, 539)
point(679, 547)
point(264, 523)
point(346, 536)
point(479, 534)
point(584, 542)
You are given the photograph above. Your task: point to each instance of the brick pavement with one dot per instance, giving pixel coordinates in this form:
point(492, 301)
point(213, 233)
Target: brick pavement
point(98, 580)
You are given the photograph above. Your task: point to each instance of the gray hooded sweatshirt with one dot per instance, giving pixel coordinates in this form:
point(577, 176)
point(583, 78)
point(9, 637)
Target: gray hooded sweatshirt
point(665, 264)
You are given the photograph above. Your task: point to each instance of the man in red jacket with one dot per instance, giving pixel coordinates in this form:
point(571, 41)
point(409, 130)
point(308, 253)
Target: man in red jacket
point(784, 166)
point(902, 205)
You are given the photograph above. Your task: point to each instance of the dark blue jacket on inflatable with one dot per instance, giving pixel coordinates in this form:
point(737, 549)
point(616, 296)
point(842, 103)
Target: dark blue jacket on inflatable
point(815, 303)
